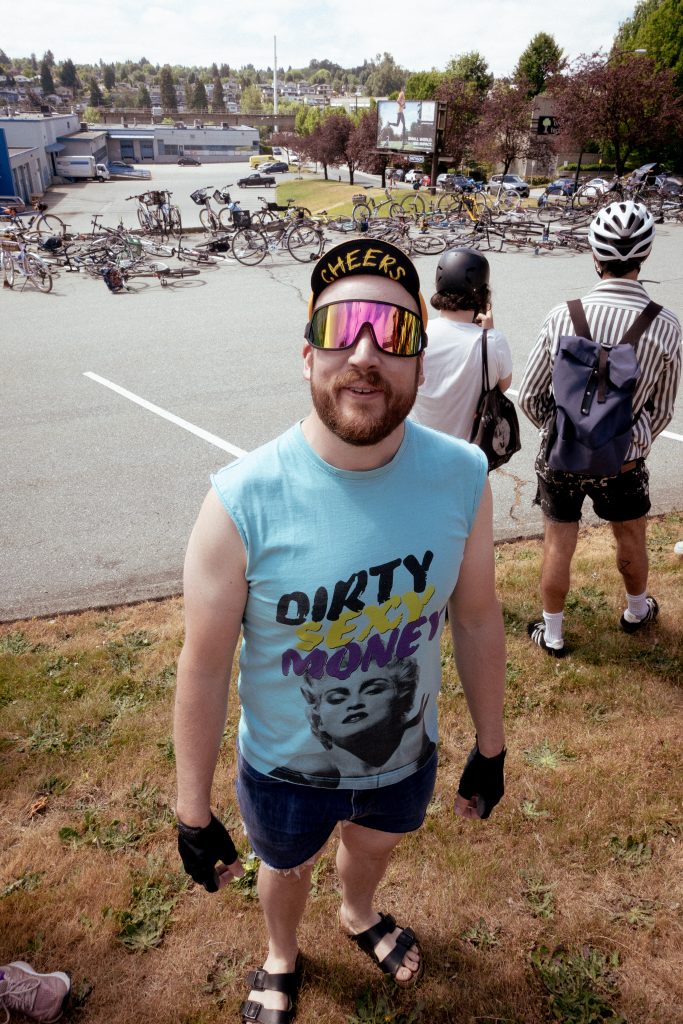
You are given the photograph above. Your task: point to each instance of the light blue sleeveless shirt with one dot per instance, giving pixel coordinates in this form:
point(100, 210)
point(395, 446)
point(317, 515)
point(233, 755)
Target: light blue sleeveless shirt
point(349, 574)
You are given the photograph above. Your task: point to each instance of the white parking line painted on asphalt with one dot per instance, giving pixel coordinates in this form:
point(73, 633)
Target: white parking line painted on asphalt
point(158, 411)
point(665, 433)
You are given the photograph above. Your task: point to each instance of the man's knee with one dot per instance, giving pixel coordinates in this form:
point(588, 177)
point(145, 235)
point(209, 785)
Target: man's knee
point(367, 842)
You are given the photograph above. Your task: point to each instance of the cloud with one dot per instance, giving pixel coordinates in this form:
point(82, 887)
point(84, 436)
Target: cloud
point(418, 36)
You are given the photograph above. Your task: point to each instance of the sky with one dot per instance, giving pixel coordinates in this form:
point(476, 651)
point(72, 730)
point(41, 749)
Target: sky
point(420, 34)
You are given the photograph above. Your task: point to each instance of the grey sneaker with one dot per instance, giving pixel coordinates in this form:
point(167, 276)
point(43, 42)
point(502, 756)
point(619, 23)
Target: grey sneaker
point(41, 997)
point(632, 625)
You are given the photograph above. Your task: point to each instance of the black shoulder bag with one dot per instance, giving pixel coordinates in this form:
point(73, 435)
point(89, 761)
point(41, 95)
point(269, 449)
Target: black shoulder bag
point(496, 427)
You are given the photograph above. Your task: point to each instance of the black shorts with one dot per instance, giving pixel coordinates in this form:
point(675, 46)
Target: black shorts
point(615, 499)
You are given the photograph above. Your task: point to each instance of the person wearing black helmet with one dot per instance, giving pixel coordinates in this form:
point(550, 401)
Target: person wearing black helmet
point(621, 237)
point(447, 399)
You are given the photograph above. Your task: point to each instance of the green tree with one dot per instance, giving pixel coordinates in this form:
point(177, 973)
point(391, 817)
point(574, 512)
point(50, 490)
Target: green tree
point(656, 26)
point(217, 101)
point(169, 100)
point(109, 77)
point(49, 58)
point(214, 70)
point(539, 62)
point(34, 61)
point(46, 80)
point(386, 77)
point(251, 101)
point(96, 97)
point(67, 74)
point(143, 98)
point(92, 115)
point(422, 85)
point(471, 68)
point(224, 71)
point(199, 100)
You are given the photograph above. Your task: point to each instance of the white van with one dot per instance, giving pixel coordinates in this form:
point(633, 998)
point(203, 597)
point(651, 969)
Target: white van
point(74, 168)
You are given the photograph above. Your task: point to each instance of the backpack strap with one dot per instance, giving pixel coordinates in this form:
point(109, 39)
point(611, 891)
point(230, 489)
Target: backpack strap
point(641, 323)
point(578, 315)
point(484, 362)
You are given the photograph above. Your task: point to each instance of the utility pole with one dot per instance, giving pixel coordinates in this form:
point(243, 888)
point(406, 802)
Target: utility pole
point(275, 81)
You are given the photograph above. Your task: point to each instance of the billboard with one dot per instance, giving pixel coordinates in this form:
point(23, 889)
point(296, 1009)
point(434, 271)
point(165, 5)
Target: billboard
point(406, 126)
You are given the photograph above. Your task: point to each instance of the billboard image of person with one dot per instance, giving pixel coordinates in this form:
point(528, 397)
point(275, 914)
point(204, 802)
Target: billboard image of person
point(406, 125)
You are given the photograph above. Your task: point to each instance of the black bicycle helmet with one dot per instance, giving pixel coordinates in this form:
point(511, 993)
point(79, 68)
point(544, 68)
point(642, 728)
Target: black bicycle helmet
point(462, 271)
point(622, 231)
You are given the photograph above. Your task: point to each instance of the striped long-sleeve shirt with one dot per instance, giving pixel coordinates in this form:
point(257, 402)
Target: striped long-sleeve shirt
point(611, 307)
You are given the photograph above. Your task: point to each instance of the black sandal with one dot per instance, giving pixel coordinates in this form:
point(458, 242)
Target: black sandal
point(368, 940)
point(253, 1011)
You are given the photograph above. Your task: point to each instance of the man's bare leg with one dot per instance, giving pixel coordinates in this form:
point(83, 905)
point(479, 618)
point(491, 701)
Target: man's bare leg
point(362, 859)
point(632, 560)
point(283, 898)
point(558, 550)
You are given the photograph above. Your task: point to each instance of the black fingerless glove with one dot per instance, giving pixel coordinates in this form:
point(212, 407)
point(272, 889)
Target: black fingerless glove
point(483, 778)
point(201, 848)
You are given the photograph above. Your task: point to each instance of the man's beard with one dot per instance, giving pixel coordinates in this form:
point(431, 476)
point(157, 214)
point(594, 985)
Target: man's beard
point(364, 426)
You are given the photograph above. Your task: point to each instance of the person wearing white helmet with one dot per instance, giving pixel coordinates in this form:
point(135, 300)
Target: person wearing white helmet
point(621, 237)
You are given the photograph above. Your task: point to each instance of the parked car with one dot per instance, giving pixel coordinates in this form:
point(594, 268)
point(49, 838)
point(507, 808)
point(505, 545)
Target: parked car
point(257, 178)
point(412, 176)
point(601, 184)
point(508, 181)
point(560, 187)
point(455, 181)
point(277, 167)
point(189, 161)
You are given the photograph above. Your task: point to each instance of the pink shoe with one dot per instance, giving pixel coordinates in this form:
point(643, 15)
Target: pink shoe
point(41, 997)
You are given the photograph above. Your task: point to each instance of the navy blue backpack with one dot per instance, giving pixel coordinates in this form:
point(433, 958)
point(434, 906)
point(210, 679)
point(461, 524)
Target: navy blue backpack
point(593, 387)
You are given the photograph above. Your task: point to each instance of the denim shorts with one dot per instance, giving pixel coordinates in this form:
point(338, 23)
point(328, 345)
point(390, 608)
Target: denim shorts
point(617, 498)
point(287, 823)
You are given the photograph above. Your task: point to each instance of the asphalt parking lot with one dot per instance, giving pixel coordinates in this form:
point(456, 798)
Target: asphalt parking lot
point(116, 408)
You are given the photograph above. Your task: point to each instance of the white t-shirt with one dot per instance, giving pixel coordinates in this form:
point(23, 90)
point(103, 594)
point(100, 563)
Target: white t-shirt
point(447, 400)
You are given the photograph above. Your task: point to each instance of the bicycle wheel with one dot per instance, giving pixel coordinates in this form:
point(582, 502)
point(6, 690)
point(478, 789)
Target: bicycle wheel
point(48, 224)
point(413, 204)
point(305, 243)
point(143, 219)
point(208, 221)
point(38, 273)
point(8, 269)
point(448, 201)
point(180, 272)
point(508, 200)
point(588, 196)
point(156, 248)
point(361, 212)
point(249, 246)
point(428, 245)
point(551, 210)
point(259, 219)
point(175, 220)
point(198, 257)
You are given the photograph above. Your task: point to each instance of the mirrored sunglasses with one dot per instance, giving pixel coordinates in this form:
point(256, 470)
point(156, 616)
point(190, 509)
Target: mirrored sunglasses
point(395, 331)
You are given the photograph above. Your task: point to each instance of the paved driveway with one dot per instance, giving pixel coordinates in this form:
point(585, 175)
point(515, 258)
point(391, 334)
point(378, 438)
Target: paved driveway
point(100, 492)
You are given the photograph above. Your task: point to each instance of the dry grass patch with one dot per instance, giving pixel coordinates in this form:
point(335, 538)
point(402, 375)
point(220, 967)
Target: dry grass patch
point(566, 906)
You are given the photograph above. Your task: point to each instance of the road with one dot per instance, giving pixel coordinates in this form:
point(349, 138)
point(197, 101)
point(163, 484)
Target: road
point(100, 492)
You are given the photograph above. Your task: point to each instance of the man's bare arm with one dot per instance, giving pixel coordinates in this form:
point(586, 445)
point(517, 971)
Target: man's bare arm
point(478, 633)
point(215, 597)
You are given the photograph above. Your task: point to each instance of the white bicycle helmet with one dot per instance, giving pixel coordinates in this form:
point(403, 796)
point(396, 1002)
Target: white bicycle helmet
point(622, 231)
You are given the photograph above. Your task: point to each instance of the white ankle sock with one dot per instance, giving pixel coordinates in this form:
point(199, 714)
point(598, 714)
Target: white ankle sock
point(553, 628)
point(637, 607)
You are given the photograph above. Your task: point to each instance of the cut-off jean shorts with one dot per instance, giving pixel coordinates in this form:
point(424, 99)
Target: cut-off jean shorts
point(288, 824)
